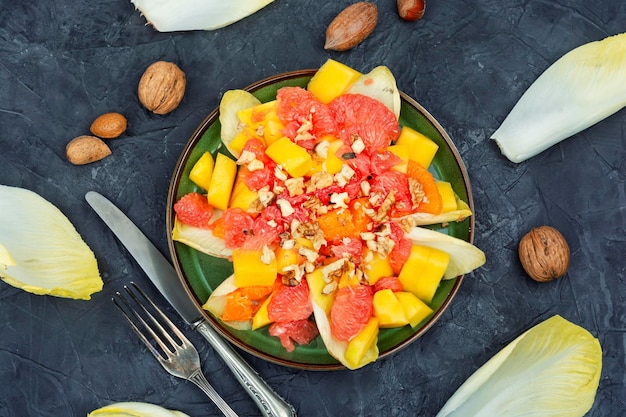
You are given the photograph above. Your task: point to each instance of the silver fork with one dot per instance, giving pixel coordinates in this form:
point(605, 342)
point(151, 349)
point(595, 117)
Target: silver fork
point(179, 357)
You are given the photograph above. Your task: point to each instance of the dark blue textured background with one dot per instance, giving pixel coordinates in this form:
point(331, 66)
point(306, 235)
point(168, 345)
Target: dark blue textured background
point(467, 61)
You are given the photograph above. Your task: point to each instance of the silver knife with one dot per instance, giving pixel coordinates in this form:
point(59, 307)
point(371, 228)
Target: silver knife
point(164, 277)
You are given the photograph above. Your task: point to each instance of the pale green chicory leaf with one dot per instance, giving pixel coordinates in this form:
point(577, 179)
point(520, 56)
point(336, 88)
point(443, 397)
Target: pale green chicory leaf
point(40, 250)
point(553, 369)
point(135, 409)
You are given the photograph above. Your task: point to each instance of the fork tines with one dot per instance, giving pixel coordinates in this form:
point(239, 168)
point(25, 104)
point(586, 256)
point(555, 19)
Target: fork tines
point(150, 324)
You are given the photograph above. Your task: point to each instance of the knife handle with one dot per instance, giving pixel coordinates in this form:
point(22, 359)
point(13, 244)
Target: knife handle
point(270, 403)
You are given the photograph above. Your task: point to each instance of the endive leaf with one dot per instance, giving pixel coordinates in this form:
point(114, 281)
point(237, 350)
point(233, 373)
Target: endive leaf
point(135, 409)
point(553, 369)
point(464, 257)
point(425, 219)
point(176, 15)
point(40, 250)
point(201, 239)
point(217, 303)
point(379, 84)
point(580, 89)
point(232, 101)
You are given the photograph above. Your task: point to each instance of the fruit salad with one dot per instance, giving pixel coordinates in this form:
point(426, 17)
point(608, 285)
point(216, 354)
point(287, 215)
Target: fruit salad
point(319, 198)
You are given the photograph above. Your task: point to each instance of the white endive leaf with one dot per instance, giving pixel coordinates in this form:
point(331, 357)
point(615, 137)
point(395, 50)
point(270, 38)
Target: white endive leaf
point(580, 89)
point(135, 409)
point(379, 84)
point(40, 250)
point(181, 15)
point(336, 348)
point(425, 219)
point(464, 257)
point(232, 101)
point(201, 239)
point(553, 369)
point(217, 303)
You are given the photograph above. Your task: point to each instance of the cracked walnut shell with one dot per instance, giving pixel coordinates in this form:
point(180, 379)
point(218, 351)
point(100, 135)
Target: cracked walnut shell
point(162, 87)
point(544, 254)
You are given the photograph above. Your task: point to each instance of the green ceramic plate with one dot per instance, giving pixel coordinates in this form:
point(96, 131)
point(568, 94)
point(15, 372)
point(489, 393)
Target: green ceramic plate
point(201, 274)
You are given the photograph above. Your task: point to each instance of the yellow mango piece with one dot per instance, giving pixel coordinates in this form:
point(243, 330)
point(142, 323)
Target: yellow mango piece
point(333, 163)
point(331, 80)
point(272, 131)
point(447, 195)
point(250, 270)
point(422, 148)
point(293, 158)
point(253, 117)
point(286, 257)
point(423, 271)
point(415, 309)
point(388, 309)
point(361, 343)
point(202, 171)
point(317, 283)
point(402, 152)
point(261, 318)
point(222, 180)
point(241, 196)
point(376, 266)
point(239, 141)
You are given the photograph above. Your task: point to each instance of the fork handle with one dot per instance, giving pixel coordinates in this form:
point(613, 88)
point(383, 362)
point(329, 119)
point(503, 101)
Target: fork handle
point(270, 403)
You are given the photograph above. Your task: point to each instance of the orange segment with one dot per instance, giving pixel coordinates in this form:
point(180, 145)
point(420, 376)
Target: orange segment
point(432, 202)
point(243, 303)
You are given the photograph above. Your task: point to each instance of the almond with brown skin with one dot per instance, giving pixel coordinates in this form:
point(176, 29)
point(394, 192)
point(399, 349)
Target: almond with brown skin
point(109, 125)
point(162, 87)
point(544, 254)
point(411, 9)
point(86, 149)
point(355, 23)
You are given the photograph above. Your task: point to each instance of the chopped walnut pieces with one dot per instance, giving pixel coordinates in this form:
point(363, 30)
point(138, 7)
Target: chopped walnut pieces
point(321, 149)
point(318, 181)
point(266, 197)
point(285, 207)
point(407, 223)
point(309, 254)
point(292, 274)
point(246, 157)
point(255, 165)
point(365, 188)
point(267, 255)
point(310, 231)
point(343, 176)
point(295, 186)
point(279, 173)
point(383, 211)
point(330, 288)
point(334, 270)
point(417, 192)
point(339, 199)
point(358, 145)
point(304, 131)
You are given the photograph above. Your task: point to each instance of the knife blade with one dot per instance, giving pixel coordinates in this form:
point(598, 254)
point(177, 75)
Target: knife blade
point(164, 277)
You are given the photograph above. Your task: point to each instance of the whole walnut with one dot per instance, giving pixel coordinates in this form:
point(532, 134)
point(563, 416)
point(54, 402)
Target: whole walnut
point(544, 254)
point(162, 87)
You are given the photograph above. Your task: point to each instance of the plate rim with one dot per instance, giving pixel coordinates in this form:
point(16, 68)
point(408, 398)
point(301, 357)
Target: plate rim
point(182, 159)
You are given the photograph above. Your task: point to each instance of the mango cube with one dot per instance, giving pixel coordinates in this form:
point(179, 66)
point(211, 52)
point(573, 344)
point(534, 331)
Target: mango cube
point(333, 163)
point(447, 196)
point(376, 266)
point(422, 149)
point(292, 157)
point(241, 196)
point(222, 180)
point(250, 269)
point(202, 171)
point(423, 271)
point(272, 131)
point(253, 117)
point(359, 346)
point(261, 317)
point(286, 257)
point(402, 152)
point(331, 80)
point(317, 283)
point(388, 309)
point(415, 309)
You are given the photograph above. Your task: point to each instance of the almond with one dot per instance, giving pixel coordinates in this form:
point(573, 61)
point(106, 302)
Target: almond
point(355, 23)
point(86, 149)
point(108, 125)
point(411, 9)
